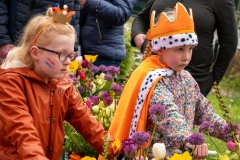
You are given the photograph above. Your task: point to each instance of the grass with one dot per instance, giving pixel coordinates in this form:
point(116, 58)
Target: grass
point(233, 103)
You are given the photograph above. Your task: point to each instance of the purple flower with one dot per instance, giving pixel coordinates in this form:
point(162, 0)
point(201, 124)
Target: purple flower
point(231, 146)
point(196, 139)
point(108, 77)
point(107, 100)
point(72, 76)
point(129, 148)
point(157, 110)
point(103, 94)
point(140, 137)
point(81, 89)
point(113, 70)
point(206, 127)
point(84, 64)
point(231, 128)
point(94, 100)
point(103, 67)
point(75, 80)
point(94, 69)
point(116, 88)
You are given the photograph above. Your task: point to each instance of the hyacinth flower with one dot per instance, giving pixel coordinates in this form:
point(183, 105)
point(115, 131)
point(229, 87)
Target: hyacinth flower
point(195, 139)
point(129, 148)
point(117, 90)
point(206, 127)
point(141, 138)
point(157, 112)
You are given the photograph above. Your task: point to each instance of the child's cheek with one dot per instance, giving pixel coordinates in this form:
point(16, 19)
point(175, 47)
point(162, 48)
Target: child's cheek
point(50, 63)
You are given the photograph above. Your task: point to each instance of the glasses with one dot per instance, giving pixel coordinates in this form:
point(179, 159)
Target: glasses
point(62, 55)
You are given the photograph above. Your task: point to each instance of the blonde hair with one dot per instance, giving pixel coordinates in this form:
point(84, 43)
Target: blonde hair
point(21, 53)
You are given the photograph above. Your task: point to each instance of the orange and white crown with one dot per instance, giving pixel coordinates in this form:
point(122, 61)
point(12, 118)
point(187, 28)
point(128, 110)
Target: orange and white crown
point(172, 32)
point(62, 16)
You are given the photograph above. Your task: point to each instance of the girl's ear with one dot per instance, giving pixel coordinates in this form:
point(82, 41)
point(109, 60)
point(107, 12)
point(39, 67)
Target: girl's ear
point(34, 52)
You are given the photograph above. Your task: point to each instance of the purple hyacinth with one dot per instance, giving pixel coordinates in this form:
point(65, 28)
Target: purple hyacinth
point(157, 110)
point(75, 80)
point(140, 137)
point(206, 127)
point(94, 99)
point(94, 69)
point(108, 77)
point(196, 139)
point(107, 101)
point(81, 89)
point(129, 148)
point(113, 70)
point(231, 128)
point(103, 94)
point(103, 68)
point(116, 88)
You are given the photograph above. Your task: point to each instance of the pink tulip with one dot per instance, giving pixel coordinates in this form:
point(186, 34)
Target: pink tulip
point(231, 146)
point(89, 103)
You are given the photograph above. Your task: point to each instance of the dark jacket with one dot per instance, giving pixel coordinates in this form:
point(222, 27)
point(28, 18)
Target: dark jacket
point(14, 14)
point(102, 32)
point(208, 15)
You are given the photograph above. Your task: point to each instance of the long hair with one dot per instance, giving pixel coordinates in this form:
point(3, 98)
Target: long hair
point(21, 52)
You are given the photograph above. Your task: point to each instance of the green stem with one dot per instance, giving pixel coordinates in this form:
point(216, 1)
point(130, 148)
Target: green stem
point(149, 144)
point(194, 149)
point(140, 152)
point(215, 144)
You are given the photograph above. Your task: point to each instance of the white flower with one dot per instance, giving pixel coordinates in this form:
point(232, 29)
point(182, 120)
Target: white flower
point(79, 59)
point(101, 76)
point(94, 88)
point(159, 151)
point(95, 109)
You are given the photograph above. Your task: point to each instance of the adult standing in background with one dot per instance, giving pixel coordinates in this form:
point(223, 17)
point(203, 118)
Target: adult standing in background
point(101, 29)
point(208, 16)
point(14, 15)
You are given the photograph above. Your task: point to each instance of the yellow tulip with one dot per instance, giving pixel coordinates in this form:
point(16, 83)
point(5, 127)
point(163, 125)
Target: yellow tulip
point(91, 58)
point(73, 66)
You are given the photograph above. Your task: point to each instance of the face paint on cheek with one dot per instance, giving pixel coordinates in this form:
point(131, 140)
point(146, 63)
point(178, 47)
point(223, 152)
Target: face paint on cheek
point(50, 63)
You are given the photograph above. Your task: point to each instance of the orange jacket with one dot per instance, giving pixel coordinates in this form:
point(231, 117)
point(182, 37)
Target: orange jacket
point(32, 114)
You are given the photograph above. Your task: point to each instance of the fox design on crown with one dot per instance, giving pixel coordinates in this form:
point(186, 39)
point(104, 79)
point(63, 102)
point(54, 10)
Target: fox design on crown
point(169, 33)
point(62, 16)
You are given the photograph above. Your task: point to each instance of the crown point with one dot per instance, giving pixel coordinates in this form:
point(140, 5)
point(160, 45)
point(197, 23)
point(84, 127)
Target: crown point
point(54, 9)
point(73, 16)
point(56, 4)
point(64, 13)
point(65, 6)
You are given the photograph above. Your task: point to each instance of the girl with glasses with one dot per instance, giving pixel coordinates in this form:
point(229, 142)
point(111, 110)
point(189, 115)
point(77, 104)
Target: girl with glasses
point(37, 94)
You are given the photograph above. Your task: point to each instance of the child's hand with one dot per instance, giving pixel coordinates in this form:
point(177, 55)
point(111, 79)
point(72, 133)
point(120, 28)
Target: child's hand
point(201, 151)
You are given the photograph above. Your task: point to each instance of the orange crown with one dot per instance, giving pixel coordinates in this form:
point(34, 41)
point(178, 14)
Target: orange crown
point(166, 27)
point(62, 16)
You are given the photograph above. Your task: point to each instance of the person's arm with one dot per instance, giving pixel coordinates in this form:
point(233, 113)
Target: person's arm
point(141, 24)
point(5, 39)
point(81, 118)
point(17, 122)
point(75, 21)
point(116, 13)
point(227, 36)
